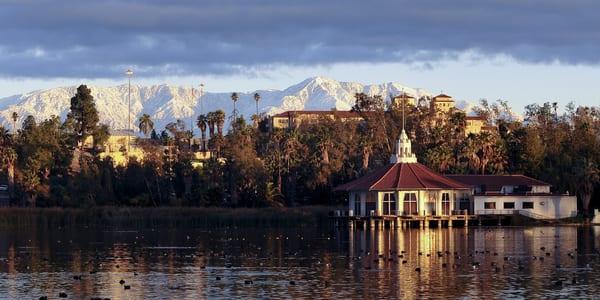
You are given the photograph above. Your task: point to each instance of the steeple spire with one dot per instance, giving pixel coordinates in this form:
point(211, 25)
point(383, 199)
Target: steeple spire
point(404, 152)
point(403, 98)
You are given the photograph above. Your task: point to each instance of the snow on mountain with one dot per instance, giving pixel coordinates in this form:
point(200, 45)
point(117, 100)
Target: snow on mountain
point(166, 103)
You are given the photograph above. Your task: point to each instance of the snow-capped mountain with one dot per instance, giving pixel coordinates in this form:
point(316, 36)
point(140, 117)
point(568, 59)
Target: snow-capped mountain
point(166, 103)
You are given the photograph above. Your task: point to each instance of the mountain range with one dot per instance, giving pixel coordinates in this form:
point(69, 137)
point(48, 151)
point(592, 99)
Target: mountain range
point(167, 103)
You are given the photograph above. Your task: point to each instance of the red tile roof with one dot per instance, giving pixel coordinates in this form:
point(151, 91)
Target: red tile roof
point(337, 113)
point(442, 96)
point(402, 176)
point(405, 96)
point(497, 180)
point(475, 118)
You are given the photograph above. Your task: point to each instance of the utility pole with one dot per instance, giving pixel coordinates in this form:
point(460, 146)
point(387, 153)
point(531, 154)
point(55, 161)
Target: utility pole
point(201, 94)
point(129, 74)
point(202, 142)
point(192, 118)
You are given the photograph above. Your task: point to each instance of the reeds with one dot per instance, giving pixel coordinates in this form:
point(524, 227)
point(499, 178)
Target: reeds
point(169, 217)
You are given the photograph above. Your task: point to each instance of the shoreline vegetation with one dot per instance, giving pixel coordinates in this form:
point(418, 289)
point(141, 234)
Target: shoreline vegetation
point(194, 217)
point(164, 217)
point(49, 163)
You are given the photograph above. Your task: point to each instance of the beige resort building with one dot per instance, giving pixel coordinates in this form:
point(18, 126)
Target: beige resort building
point(440, 104)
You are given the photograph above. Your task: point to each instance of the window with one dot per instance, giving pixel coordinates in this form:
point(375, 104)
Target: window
point(445, 204)
point(410, 204)
point(509, 205)
point(527, 205)
point(357, 205)
point(465, 202)
point(389, 204)
point(489, 205)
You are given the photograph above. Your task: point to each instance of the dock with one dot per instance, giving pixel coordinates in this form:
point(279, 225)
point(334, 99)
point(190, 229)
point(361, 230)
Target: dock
point(341, 218)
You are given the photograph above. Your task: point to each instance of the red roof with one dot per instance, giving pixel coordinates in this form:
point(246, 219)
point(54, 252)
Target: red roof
point(402, 176)
point(442, 96)
point(497, 180)
point(337, 113)
point(475, 118)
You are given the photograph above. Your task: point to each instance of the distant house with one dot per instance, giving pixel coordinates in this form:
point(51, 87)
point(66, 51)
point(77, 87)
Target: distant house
point(115, 146)
point(408, 100)
point(442, 103)
point(517, 194)
point(477, 125)
point(294, 118)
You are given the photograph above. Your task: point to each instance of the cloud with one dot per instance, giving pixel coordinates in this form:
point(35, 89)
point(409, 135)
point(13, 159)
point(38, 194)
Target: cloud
point(99, 39)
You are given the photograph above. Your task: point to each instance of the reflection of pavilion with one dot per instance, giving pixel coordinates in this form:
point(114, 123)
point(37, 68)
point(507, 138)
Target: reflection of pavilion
point(447, 255)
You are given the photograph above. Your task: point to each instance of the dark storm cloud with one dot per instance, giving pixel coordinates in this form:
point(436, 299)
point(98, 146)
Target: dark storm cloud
point(77, 38)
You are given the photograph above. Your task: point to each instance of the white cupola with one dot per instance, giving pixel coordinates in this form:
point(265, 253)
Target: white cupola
point(404, 152)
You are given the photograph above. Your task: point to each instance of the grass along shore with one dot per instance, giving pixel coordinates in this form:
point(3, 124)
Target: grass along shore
point(146, 217)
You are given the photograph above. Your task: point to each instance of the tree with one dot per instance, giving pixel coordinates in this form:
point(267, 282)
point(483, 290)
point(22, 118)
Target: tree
point(15, 117)
point(219, 117)
point(202, 124)
point(30, 180)
point(101, 135)
point(587, 176)
point(256, 117)
point(8, 156)
point(145, 124)
point(211, 119)
point(83, 114)
point(234, 97)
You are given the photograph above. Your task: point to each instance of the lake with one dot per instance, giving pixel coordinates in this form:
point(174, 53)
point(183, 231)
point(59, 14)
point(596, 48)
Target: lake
point(305, 262)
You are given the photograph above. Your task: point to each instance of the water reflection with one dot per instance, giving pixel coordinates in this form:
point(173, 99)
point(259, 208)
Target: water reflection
point(498, 262)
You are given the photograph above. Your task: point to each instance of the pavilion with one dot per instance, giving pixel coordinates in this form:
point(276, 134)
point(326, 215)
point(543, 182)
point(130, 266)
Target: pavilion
point(405, 187)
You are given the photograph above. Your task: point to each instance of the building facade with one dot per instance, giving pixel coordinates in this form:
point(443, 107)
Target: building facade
point(407, 99)
point(517, 194)
point(442, 103)
point(295, 118)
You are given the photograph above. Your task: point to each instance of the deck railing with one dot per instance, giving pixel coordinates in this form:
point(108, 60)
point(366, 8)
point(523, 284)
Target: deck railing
point(495, 211)
point(522, 212)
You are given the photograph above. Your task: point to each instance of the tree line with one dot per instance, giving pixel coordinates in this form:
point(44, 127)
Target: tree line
point(254, 165)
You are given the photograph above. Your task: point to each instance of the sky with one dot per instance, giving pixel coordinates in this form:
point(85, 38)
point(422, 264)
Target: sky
point(519, 51)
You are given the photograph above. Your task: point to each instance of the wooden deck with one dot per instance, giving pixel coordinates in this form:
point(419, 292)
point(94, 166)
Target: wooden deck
point(402, 221)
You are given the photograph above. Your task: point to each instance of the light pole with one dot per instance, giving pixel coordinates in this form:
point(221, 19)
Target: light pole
point(129, 74)
point(201, 94)
point(192, 118)
point(202, 142)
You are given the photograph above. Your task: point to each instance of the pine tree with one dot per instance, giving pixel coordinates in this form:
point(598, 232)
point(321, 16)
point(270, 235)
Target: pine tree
point(83, 114)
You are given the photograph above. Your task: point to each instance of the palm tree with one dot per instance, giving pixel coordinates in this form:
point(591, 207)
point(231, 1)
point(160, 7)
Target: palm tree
point(8, 156)
point(145, 124)
point(234, 98)
point(220, 120)
point(212, 121)
point(256, 117)
point(15, 116)
point(256, 100)
point(201, 123)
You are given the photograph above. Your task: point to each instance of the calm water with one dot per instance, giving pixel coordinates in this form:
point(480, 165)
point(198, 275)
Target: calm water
point(302, 263)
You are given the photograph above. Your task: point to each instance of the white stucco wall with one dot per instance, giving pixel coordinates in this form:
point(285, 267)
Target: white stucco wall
point(551, 207)
point(363, 199)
